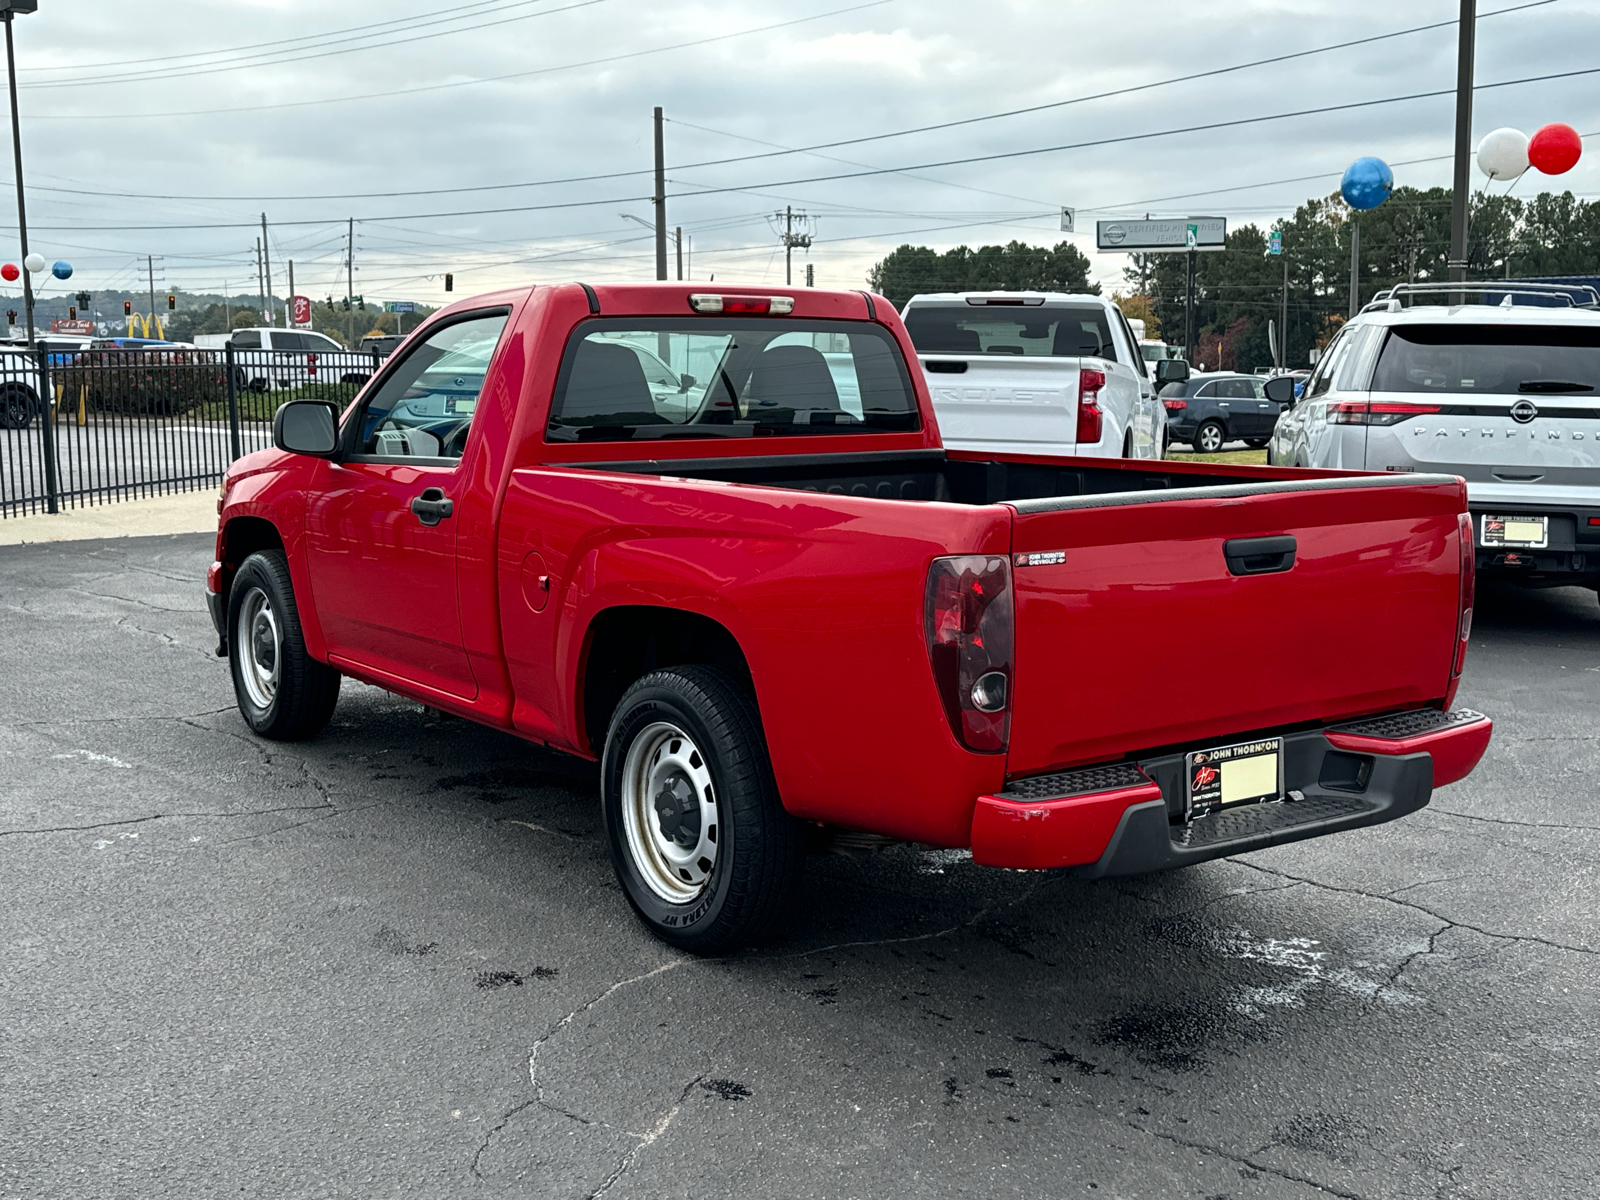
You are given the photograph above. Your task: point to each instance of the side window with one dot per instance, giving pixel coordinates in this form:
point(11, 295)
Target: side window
point(1136, 357)
point(1353, 367)
point(287, 341)
point(322, 345)
point(1239, 389)
point(1209, 391)
point(424, 408)
point(247, 339)
point(1322, 378)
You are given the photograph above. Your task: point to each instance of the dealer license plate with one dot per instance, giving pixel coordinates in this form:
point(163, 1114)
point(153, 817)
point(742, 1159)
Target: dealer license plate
point(1230, 776)
point(1530, 532)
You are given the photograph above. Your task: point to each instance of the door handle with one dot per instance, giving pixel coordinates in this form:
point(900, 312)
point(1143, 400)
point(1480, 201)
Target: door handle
point(432, 506)
point(1259, 556)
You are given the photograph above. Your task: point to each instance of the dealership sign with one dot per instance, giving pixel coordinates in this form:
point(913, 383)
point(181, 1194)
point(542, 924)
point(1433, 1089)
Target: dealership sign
point(1161, 237)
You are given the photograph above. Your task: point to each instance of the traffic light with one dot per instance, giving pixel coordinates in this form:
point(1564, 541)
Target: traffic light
point(127, 308)
point(11, 316)
point(362, 301)
point(449, 283)
point(83, 299)
point(347, 304)
point(72, 312)
point(172, 304)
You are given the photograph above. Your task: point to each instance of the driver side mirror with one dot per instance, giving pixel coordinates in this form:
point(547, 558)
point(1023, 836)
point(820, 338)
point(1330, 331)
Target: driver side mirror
point(1172, 370)
point(1280, 389)
point(308, 427)
point(686, 381)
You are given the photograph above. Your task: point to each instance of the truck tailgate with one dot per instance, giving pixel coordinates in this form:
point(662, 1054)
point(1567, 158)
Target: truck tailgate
point(1000, 403)
point(1133, 632)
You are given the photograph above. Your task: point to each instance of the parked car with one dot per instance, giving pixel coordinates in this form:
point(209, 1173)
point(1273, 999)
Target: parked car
point(1036, 372)
point(21, 387)
point(268, 358)
point(1208, 411)
point(1502, 395)
point(766, 611)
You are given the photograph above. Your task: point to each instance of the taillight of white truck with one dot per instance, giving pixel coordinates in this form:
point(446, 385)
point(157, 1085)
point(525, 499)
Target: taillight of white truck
point(1090, 381)
point(970, 626)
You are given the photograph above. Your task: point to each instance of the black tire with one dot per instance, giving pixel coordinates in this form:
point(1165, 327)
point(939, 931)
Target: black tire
point(1209, 431)
point(1127, 444)
point(743, 892)
point(17, 407)
point(301, 698)
point(1257, 443)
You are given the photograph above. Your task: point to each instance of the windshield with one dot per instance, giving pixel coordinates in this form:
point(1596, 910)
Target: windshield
point(1011, 329)
point(1526, 359)
point(687, 377)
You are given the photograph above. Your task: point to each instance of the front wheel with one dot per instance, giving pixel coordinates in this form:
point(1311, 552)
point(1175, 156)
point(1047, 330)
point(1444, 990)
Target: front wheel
point(17, 405)
point(1209, 437)
point(283, 693)
point(1257, 443)
point(701, 843)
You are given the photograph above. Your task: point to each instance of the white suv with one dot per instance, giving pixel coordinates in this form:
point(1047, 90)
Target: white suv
point(1505, 395)
point(1035, 373)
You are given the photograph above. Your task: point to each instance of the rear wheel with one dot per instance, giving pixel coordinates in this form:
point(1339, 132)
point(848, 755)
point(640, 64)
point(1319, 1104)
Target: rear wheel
point(283, 693)
point(701, 843)
point(1208, 439)
point(1256, 443)
point(17, 407)
point(1127, 444)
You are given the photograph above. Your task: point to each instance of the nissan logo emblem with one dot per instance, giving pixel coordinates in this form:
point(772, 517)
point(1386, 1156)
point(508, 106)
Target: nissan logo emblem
point(1523, 411)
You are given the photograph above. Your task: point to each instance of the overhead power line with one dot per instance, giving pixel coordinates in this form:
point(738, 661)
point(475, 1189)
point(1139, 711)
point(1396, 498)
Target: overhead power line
point(459, 83)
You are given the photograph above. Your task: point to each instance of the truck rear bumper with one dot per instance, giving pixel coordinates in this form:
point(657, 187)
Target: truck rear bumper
point(1127, 818)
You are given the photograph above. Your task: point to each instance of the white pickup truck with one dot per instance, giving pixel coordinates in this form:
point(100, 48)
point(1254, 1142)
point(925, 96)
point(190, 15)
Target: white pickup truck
point(1035, 373)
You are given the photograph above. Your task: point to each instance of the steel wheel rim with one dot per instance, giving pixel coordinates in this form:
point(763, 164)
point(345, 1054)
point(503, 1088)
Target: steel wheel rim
point(668, 800)
point(1211, 439)
point(260, 642)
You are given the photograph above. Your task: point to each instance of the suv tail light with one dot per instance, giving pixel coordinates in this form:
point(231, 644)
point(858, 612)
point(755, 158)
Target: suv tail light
point(1363, 412)
point(1175, 405)
point(1469, 575)
point(970, 629)
point(1090, 381)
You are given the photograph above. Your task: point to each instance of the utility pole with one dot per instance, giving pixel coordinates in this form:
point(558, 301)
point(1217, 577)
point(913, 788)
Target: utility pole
point(1463, 176)
point(677, 237)
point(227, 309)
point(791, 239)
point(266, 270)
point(150, 263)
point(289, 316)
point(350, 282)
point(1188, 310)
point(1283, 337)
point(22, 208)
point(261, 285)
point(661, 201)
point(1355, 265)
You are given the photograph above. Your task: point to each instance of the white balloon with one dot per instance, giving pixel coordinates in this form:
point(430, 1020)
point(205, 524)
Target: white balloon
point(34, 263)
point(1503, 153)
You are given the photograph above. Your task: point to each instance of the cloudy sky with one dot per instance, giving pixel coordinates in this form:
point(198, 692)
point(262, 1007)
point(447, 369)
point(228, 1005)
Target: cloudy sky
point(168, 129)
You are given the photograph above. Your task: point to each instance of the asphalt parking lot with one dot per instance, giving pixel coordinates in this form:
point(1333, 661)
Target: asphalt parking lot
point(394, 962)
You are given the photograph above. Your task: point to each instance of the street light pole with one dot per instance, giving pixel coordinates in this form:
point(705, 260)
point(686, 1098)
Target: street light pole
point(11, 10)
point(1463, 173)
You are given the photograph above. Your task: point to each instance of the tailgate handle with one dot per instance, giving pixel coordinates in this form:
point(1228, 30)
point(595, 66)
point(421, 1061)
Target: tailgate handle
point(1259, 556)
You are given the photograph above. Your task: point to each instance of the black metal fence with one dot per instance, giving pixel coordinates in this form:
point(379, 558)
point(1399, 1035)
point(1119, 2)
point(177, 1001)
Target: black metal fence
point(99, 425)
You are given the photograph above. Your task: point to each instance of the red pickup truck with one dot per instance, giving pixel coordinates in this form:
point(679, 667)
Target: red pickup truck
point(712, 541)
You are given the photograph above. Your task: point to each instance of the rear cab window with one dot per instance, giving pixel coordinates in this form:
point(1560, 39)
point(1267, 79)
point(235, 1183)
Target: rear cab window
point(1060, 331)
point(661, 378)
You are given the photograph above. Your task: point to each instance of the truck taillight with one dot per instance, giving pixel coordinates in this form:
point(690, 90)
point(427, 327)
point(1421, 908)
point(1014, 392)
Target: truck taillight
point(1090, 381)
point(771, 305)
point(1469, 576)
point(1364, 412)
point(970, 630)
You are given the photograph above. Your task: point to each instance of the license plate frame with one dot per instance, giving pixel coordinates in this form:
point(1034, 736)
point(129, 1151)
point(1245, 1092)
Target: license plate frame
point(1533, 533)
point(1210, 787)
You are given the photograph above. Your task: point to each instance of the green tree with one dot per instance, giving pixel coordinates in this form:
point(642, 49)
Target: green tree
point(916, 270)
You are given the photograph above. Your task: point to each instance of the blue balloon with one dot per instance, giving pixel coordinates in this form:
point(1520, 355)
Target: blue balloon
point(1367, 183)
point(62, 270)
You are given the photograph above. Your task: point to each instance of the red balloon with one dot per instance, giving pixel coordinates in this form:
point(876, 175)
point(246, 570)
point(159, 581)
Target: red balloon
point(1555, 149)
point(10, 272)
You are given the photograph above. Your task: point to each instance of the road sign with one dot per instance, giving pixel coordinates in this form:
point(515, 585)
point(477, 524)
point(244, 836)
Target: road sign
point(1069, 220)
point(301, 310)
point(1275, 243)
point(1191, 236)
point(1160, 237)
point(399, 306)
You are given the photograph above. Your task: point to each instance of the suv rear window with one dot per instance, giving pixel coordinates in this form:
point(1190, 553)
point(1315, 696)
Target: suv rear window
point(1062, 332)
point(1531, 359)
point(689, 377)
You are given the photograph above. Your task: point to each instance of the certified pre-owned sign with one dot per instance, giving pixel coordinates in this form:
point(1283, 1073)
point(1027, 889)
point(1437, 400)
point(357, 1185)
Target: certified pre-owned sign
point(1156, 237)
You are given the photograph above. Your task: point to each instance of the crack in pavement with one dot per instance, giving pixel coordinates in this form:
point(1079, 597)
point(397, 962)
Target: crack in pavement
point(187, 718)
point(645, 1141)
point(1437, 916)
point(172, 816)
point(1247, 1160)
point(538, 1088)
point(1503, 821)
